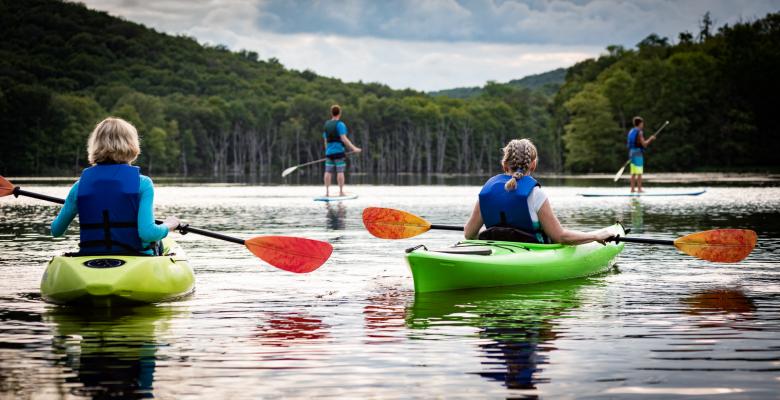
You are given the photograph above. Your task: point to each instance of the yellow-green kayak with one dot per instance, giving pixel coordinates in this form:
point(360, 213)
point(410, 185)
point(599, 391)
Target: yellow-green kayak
point(117, 279)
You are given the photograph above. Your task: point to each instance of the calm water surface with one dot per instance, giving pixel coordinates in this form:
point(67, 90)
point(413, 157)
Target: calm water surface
point(660, 325)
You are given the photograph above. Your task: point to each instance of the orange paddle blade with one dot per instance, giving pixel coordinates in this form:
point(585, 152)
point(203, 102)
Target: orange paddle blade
point(6, 187)
point(292, 254)
point(719, 245)
point(388, 223)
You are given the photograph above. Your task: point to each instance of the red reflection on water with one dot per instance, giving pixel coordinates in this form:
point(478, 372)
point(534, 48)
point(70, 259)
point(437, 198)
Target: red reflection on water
point(721, 307)
point(385, 317)
point(720, 300)
point(288, 329)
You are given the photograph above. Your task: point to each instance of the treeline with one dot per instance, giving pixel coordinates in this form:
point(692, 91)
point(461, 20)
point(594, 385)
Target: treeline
point(204, 110)
point(718, 90)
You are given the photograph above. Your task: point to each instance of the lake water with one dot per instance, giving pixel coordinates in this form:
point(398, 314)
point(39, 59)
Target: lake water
point(660, 325)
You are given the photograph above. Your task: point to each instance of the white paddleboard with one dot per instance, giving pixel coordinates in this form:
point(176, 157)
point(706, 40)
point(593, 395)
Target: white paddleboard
point(646, 193)
point(348, 196)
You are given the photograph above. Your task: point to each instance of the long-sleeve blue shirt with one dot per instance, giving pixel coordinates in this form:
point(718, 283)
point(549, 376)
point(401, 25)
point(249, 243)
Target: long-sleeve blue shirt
point(148, 231)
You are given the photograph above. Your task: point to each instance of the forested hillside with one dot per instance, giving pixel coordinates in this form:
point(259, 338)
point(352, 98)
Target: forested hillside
point(718, 90)
point(204, 110)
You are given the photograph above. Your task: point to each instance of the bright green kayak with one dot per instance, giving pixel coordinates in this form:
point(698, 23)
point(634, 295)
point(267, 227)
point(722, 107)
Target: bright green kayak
point(118, 280)
point(482, 263)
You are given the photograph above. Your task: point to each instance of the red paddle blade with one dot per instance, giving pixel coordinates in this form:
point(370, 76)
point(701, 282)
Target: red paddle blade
point(6, 187)
point(719, 245)
point(292, 254)
point(388, 223)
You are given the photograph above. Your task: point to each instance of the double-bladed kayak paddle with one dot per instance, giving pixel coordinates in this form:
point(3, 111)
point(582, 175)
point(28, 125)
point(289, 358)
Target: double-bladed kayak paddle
point(293, 254)
point(718, 245)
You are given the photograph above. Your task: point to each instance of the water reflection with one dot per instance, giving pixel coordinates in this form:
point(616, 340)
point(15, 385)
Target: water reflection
point(287, 329)
point(720, 307)
point(336, 217)
point(660, 327)
point(113, 352)
point(384, 317)
point(518, 321)
point(637, 216)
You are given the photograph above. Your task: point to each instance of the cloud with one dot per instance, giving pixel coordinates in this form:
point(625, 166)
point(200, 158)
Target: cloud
point(420, 65)
point(428, 44)
point(584, 22)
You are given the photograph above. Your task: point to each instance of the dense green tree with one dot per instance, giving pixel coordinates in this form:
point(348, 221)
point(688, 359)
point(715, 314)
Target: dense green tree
point(204, 110)
point(592, 139)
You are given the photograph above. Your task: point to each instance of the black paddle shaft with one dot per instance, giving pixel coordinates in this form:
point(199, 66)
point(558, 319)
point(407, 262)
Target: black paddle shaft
point(183, 229)
point(19, 192)
point(447, 227)
point(616, 239)
point(619, 239)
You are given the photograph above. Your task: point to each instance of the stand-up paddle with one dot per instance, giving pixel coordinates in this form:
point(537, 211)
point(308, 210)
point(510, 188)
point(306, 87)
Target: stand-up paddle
point(719, 245)
point(623, 168)
point(293, 254)
point(292, 169)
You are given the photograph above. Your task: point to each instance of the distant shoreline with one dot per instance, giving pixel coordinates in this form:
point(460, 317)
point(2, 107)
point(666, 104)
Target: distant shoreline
point(662, 177)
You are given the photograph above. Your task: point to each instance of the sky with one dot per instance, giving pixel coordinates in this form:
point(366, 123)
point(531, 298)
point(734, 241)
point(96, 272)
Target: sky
point(429, 44)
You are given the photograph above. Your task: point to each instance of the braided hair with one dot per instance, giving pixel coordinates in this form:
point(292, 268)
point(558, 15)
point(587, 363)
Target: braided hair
point(518, 156)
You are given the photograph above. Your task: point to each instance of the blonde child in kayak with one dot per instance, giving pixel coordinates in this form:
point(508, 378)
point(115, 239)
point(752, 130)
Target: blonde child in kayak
point(513, 207)
point(113, 200)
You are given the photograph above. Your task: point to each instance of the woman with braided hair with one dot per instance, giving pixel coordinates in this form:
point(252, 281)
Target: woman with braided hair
point(513, 207)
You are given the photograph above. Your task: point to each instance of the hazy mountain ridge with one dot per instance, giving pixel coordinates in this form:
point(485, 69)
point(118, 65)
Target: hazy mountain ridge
point(546, 82)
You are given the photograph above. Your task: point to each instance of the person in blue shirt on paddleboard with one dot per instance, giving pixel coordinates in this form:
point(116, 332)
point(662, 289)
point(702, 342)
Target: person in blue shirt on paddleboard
point(636, 148)
point(335, 137)
point(113, 200)
point(513, 207)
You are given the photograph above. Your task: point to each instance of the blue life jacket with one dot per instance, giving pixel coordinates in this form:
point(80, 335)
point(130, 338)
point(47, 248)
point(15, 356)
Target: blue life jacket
point(632, 144)
point(108, 201)
point(500, 207)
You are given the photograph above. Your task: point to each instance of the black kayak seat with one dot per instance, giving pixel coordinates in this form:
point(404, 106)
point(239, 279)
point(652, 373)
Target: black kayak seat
point(470, 250)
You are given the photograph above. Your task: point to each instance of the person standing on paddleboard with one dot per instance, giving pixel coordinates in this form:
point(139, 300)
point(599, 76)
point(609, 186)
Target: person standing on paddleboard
point(335, 137)
point(636, 149)
point(513, 207)
point(113, 200)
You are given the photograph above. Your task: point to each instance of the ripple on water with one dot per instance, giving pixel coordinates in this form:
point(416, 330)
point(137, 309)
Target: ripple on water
point(661, 324)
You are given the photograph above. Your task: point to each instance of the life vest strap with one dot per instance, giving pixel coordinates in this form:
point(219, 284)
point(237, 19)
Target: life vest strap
point(102, 243)
point(107, 230)
point(510, 234)
point(107, 241)
point(111, 224)
point(336, 156)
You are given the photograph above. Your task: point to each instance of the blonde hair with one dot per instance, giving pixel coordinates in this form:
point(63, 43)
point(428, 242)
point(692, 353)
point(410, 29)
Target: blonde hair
point(113, 140)
point(518, 156)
